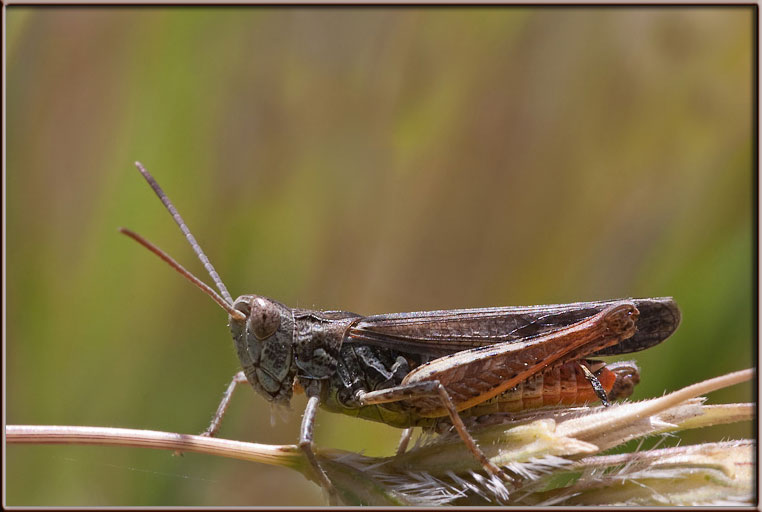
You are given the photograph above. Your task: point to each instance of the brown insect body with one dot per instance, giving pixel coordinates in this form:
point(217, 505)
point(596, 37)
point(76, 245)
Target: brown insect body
point(413, 369)
point(564, 385)
point(338, 355)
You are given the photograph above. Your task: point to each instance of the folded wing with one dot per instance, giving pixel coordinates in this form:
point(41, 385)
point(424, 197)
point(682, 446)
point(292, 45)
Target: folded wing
point(437, 333)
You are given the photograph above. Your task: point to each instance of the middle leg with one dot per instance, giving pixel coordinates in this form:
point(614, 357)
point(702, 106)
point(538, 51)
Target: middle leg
point(433, 389)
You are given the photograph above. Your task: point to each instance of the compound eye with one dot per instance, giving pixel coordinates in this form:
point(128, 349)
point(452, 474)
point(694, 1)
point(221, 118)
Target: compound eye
point(264, 319)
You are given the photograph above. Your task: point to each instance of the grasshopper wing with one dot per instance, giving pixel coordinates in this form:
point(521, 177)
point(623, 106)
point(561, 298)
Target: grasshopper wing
point(437, 333)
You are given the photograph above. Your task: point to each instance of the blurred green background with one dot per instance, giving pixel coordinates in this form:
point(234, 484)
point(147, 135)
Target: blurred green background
point(368, 159)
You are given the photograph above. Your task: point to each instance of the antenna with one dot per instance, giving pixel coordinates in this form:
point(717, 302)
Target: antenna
point(184, 228)
point(187, 275)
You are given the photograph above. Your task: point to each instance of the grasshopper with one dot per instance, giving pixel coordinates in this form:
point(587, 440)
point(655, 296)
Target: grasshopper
point(421, 368)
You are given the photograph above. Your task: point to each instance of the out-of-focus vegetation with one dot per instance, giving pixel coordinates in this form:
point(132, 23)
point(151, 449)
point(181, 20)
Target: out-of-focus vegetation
point(367, 159)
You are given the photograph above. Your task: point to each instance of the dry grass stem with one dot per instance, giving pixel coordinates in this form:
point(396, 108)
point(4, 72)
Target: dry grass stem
point(552, 455)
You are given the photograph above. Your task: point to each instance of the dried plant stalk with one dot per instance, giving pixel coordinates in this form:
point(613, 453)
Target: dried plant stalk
point(553, 456)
